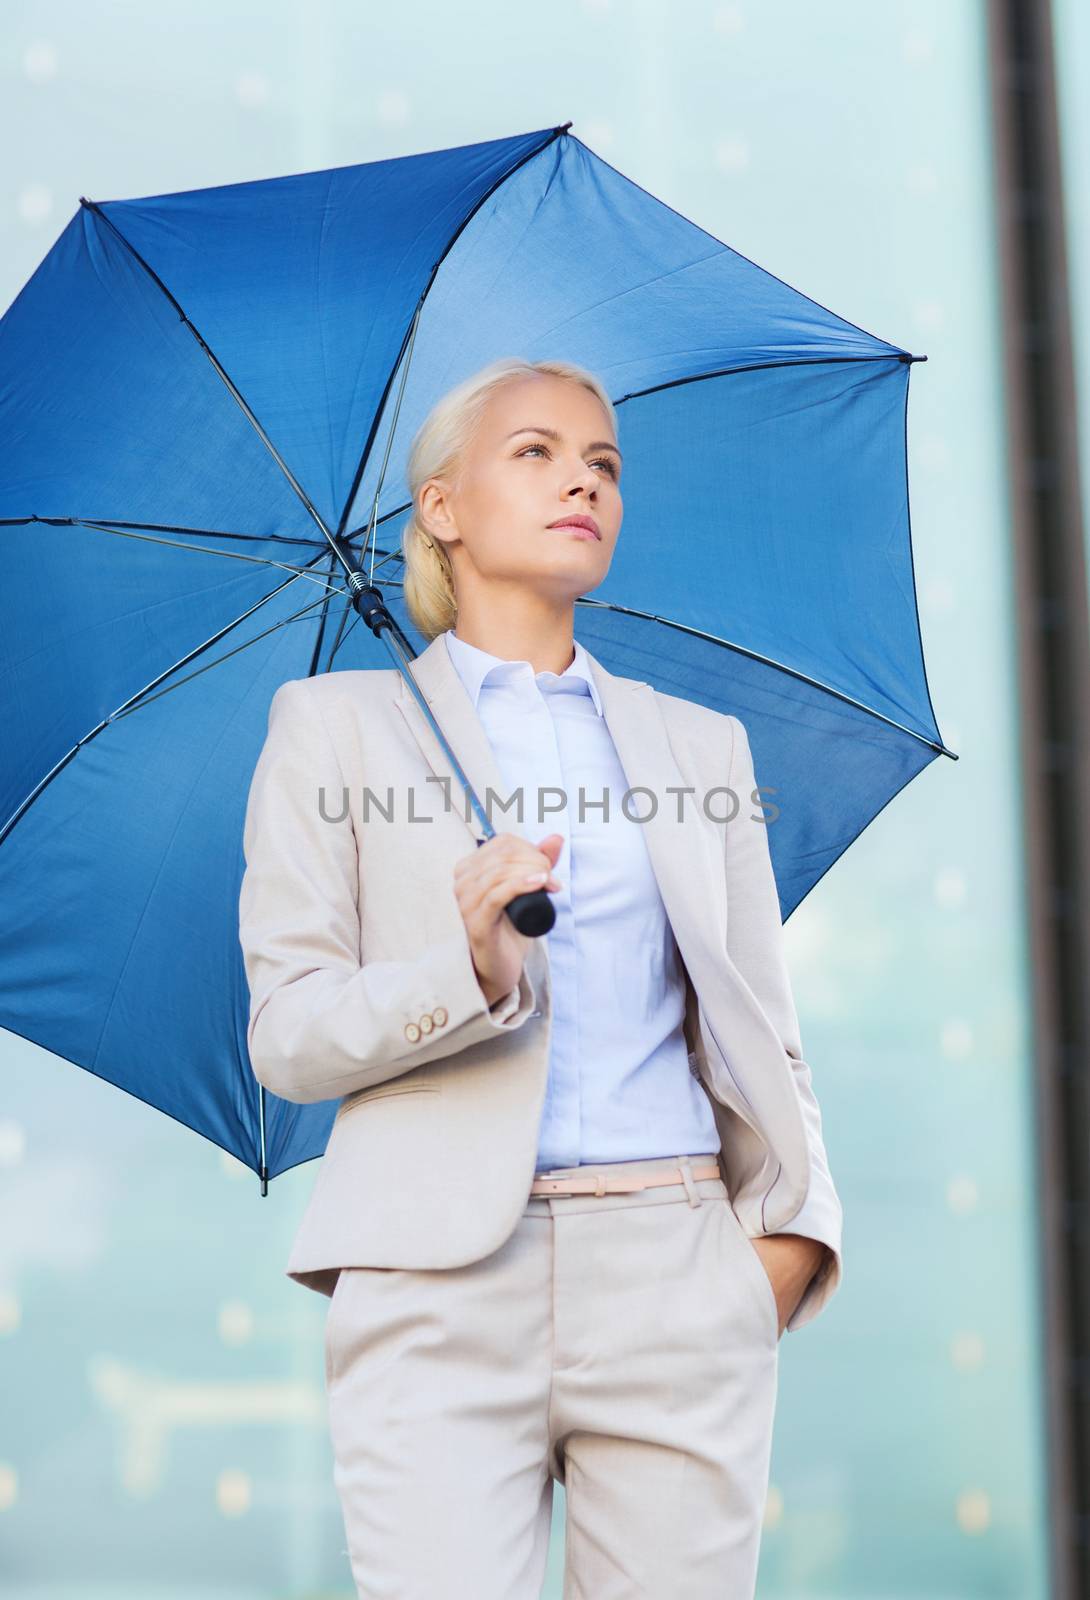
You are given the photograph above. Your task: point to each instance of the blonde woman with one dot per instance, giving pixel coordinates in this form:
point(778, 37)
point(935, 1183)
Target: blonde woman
point(576, 1187)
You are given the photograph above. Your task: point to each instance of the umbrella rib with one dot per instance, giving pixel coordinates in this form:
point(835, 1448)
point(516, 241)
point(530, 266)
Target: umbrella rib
point(371, 523)
point(319, 634)
point(236, 395)
point(770, 661)
point(123, 532)
point(155, 527)
point(296, 616)
point(139, 696)
point(336, 642)
point(766, 366)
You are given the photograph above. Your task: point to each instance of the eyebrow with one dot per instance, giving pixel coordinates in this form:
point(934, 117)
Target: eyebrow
point(551, 433)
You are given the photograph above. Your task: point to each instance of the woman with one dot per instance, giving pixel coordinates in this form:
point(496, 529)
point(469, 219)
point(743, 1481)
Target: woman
point(562, 1231)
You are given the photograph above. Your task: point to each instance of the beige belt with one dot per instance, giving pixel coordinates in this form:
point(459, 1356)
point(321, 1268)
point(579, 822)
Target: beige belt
point(621, 1183)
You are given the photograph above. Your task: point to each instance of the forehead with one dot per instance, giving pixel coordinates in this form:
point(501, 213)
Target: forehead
point(546, 401)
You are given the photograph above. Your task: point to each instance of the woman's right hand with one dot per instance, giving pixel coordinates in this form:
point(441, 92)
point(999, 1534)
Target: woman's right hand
point(484, 883)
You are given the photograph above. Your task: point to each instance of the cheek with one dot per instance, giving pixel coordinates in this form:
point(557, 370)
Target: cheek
point(515, 507)
point(501, 531)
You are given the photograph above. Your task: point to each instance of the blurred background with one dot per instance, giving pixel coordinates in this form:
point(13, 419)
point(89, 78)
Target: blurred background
point(919, 167)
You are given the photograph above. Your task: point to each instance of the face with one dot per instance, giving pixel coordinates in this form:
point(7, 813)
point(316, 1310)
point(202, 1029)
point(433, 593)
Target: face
point(544, 451)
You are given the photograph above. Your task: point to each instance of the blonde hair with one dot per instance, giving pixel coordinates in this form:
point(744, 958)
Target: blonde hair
point(438, 450)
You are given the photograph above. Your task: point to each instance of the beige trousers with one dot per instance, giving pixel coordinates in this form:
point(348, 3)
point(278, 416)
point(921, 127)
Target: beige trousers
point(625, 1346)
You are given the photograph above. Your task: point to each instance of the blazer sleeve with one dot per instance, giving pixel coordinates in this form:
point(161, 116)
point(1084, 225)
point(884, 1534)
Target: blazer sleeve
point(321, 1023)
point(755, 943)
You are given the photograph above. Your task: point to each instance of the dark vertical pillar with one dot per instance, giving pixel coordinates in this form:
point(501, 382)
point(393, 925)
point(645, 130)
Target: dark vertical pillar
point(1053, 641)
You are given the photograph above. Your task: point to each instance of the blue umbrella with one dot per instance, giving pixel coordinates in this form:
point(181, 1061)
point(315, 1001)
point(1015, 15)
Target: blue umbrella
point(206, 403)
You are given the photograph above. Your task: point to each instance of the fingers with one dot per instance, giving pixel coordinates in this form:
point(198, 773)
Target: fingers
point(489, 908)
point(503, 867)
point(495, 885)
point(507, 848)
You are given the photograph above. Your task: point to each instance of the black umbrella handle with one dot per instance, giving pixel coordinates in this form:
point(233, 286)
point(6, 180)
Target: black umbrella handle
point(532, 913)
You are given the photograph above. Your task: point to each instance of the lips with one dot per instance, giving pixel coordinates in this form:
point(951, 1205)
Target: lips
point(578, 521)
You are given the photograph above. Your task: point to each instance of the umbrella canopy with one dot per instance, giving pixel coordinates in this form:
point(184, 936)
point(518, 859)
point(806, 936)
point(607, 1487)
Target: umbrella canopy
point(198, 391)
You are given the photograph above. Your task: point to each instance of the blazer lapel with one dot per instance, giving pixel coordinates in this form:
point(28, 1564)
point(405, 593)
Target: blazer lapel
point(439, 682)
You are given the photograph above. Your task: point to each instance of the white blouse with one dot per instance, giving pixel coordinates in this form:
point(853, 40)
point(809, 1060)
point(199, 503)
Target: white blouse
point(619, 1086)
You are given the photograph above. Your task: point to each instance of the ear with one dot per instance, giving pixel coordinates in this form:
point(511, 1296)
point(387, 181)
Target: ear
point(434, 512)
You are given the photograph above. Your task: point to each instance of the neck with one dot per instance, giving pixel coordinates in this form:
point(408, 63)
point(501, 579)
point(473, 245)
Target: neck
point(541, 636)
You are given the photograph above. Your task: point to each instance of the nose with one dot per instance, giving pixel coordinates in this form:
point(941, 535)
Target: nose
point(586, 481)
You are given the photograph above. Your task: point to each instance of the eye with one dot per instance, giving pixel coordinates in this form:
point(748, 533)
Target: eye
point(605, 461)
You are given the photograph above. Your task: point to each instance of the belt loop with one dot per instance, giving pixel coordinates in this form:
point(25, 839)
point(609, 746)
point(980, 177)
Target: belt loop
point(695, 1197)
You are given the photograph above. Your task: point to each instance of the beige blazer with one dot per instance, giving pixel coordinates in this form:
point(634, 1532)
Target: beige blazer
point(363, 989)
